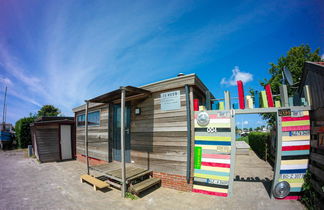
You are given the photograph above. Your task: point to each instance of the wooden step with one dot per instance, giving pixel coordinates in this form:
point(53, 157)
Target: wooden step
point(97, 183)
point(144, 185)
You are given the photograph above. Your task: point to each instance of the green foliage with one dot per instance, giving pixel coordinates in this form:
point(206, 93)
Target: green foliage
point(245, 138)
point(131, 196)
point(23, 135)
point(294, 62)
point(48, 111)
point(309, 198)
point(258, 143)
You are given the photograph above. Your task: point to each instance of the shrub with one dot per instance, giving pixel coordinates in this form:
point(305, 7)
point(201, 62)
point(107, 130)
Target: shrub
point(23, 135)
point(258, 142)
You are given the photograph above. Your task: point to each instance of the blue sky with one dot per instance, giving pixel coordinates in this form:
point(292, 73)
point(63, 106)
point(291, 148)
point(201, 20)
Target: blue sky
point(63, 52)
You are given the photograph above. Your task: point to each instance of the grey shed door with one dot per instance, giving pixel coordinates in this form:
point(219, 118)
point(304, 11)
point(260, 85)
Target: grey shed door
point(48, 145)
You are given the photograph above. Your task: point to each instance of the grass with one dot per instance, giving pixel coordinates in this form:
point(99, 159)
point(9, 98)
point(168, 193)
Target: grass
point(131, 196)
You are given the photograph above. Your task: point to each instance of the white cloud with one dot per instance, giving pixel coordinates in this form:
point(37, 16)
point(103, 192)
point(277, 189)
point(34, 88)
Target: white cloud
point(237, 74)
point(5, 81)
point(322, 57)
point(246, 122)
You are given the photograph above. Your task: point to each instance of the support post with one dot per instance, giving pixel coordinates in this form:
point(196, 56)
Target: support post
point(284, 96)
point(122, 140)
point(188, 132)
point(86, 136)
point(208, 102)
point(227, 97)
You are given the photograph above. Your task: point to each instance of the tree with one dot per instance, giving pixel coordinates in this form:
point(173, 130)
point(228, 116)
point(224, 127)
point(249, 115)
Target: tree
point(294, 62)
point(48, 111)
point(22, 129)
point(250, 129)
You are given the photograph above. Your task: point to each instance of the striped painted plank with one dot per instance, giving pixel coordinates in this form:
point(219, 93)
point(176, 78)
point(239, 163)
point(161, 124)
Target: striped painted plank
point(295, 143)
point(225, 143)
point(209, 193)
point(295, 123)
point(211, 168)
point(213, 116)
point(214, 181)
point(213, 138)
point(285, 119)
point(296, 152)
point(292, 171)
point(210, 151)
point(207, 176)
point(216, 156)
point(289, 198)
point(292, 148)
point(296, 128)
point(217, 148)
point(216, 173)
point(294, 162)
point(292, 176)
point(295, 157)
point(216, 125)
point(295, 138)
point(288, 167)
point(292, 180)
point(295, 189)
point(211, 160)
point(218, 130)
point(207, 184)
point(211, 189)
point(223, 165)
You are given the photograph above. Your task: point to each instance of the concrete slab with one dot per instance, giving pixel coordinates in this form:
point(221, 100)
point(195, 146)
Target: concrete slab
point(26, 184)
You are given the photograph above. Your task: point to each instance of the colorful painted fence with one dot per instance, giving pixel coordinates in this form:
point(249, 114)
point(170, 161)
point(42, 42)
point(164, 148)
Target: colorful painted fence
point(212, 155)
point(295, 151)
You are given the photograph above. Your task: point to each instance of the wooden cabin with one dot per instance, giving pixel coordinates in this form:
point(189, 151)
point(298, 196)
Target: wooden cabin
point(53, 138)
point(158, 126)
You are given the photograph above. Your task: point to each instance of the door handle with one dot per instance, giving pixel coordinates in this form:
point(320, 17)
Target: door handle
point(127, 130)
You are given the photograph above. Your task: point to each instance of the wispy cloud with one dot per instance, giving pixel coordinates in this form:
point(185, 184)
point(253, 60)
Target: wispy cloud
point(237, 75)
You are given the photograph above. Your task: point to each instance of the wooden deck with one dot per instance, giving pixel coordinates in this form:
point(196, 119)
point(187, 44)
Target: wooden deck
point(113, 171)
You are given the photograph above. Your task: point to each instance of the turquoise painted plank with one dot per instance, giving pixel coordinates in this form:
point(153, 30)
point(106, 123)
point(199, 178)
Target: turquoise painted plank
point(295, 189)
point(217, 173)
point(295, 152)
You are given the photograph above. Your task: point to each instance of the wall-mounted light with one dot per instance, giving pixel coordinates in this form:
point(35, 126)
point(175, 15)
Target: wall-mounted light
point(137, 111)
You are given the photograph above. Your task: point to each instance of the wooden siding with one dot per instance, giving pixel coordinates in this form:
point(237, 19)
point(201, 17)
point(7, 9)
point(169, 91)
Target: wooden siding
point(159, 138)
point(48, 144)
point(98, 135)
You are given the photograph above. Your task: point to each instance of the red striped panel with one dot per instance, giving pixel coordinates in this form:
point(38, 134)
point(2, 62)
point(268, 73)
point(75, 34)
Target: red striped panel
point(269, 95)
point(284, 119)
point(209, 192)
point(216, 156)
point(289, 198)
point(224, 165)
point(296, 128)
point(301, 147)
point(240, 93)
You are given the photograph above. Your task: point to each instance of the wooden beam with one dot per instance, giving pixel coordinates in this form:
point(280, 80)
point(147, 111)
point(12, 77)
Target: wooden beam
point(136, 90)
point(86, 136)
point(284, 96)
point(122, 140)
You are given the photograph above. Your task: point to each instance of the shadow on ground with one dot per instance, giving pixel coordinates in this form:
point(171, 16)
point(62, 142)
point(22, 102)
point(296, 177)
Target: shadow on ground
point(267, 183)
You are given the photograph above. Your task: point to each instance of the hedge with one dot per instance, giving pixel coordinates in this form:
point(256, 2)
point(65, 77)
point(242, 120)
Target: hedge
point(22, 129)
point(258, 142)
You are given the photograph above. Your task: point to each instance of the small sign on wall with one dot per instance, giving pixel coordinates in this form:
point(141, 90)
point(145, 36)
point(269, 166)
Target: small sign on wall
point(170, 100)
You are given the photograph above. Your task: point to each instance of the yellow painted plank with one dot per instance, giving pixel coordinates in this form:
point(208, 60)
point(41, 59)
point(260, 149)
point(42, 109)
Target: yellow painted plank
point(212, 189)
point(296, 184)
point(213, 138)
point(208, 176)
point(295, 123)
point(210, 168)
point(294, 162)
point(292, 180)
point(295, 138)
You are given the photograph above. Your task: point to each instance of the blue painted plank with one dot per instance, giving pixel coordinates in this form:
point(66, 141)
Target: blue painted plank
point(256, 99)
point(293, 171)
point(217, 173)
point(295, 152)
point(295, 189)
point(227, 143)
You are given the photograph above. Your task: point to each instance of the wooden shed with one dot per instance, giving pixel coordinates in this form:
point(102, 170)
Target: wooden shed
point(53, 138)
point(313, 75)
point(159, 123)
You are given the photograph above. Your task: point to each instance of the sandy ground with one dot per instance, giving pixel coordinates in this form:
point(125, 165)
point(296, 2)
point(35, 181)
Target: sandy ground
point(26, 184)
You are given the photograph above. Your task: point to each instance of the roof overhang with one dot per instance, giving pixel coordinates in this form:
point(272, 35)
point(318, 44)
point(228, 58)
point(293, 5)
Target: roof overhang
point(113, 96)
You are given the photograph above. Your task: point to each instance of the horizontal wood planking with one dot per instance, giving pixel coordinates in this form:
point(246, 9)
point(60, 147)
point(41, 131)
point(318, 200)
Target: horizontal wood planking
point(159, 138)
point(319, 173)
point(97, 136)
point(48, 144)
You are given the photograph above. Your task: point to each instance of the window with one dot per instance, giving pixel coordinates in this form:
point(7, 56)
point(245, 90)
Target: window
point(93, 119)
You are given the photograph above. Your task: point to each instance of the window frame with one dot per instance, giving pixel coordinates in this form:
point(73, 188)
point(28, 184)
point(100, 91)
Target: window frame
point(96, 125)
